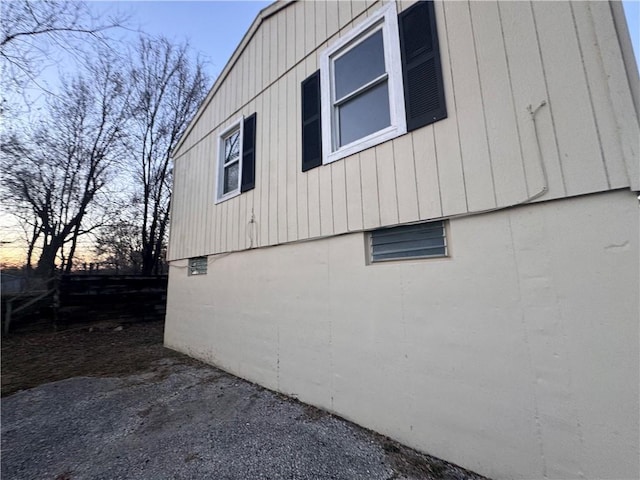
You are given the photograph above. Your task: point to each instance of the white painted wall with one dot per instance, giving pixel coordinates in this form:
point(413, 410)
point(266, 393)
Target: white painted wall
point(516, 357)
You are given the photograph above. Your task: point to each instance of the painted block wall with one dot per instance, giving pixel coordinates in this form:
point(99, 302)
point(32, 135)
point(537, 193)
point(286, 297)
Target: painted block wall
point(516, 357)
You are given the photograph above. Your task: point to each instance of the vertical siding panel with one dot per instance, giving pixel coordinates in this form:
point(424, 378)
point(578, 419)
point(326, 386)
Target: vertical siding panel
point(231, 93)
point(209, 191)
point(290, 13)
point(199, 207)
point(581, 158)
point(273, 164)
point(309, 27)
point(266, 55)
point(222, 103)
point(257, 62)
point(339, 194)
point(249, 233)
point(369, 183)
point(388, 197)
point(451, 177)
point(186, 246)
point(290, 155)
point(274, 51)
point(261, 158)
point(321, 22)
point(300, 9)
point(332, 17)
point(301, 178)
point(282, 42)
point(266, 166)
point(344, 13)
point(203, 197)
point(217, 218)
point(192, 173)
point(236, 80)
point(281, 159)
point(232, 223)
point(619, 92)
point(224, 230)
point(178, 211)
point(197, 187)
point(183, 213)
point(474, 148)
point(177, 233)
point(175, 227)
point(426, 164)
point(246, 68)
point(503, 135)
point(528, 86)
point(326, 200)
point(251, 68)
point(405, 179)
point(196, 220)
point(354, 192)
point(242, 221)
point(239, 86)
point(599, 89)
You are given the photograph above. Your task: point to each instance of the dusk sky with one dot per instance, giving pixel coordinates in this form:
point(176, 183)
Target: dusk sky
point(214, 28)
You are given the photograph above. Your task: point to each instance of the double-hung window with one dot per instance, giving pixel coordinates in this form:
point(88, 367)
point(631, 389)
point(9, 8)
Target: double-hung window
point(231, 160)
point(379, 81)
point(236, 159)
point(361, 80)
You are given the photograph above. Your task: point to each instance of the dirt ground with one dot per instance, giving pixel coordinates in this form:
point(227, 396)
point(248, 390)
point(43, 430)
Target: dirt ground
point(98, 350)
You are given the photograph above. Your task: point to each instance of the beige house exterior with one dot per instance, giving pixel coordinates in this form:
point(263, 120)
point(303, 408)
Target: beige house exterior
point(511, 347)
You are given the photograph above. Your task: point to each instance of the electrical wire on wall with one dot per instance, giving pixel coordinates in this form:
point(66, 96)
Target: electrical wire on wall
point(251, 229)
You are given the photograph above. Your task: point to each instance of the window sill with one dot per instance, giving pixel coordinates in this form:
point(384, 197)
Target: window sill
point(227, 196)
point(369, 141)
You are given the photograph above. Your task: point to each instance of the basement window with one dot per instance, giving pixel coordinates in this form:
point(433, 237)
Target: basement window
point(198, 266)
point(424, 240)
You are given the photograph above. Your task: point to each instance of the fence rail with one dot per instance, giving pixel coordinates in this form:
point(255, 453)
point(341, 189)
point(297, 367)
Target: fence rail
point(85, 298)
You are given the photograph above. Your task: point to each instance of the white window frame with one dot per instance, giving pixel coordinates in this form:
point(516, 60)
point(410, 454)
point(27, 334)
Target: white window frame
point(237, 125)
point(387, 19)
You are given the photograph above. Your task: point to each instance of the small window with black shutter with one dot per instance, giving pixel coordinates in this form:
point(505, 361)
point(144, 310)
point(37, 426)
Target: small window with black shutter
point(236, 159)
point(379, 81)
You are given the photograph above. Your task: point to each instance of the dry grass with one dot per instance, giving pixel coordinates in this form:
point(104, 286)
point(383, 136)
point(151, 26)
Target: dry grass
point(97, 350)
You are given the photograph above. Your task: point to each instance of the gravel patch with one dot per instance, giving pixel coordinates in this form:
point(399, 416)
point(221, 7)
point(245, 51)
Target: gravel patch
point(184, 420)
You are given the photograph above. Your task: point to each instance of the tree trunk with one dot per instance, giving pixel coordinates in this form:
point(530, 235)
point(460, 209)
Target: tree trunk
point(46, 267)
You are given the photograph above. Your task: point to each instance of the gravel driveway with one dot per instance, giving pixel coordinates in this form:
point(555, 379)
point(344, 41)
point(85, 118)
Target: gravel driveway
point(184, 420)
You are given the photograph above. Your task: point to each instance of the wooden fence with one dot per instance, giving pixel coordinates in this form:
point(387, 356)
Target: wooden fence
point(88, 298)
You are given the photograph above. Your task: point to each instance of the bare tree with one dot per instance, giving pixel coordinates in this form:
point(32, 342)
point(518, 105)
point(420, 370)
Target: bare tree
point(167, 90)
point(30, 28)
point(54, 172)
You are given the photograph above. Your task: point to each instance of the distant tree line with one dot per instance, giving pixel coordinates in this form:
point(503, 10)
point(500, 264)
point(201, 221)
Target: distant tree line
point(94, 161)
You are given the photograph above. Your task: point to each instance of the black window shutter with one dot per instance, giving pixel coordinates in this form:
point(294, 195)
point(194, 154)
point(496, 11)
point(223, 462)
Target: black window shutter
point(311, 123)
point(421, 68)
point(248, 180)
